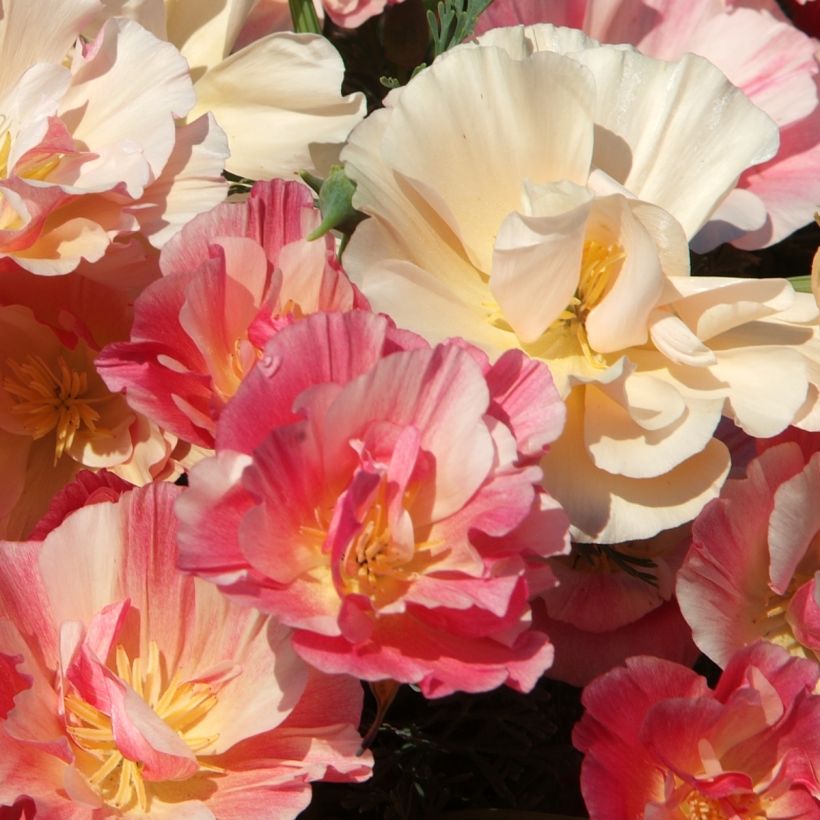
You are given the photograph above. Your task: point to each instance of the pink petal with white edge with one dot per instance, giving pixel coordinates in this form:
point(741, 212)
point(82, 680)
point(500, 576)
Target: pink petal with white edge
point(143, 736)
point(794, 524)
point(524, 394)
point(439, 391)
point(723, 584)
point(804, 613)
point(349, 345)
point(439, 662)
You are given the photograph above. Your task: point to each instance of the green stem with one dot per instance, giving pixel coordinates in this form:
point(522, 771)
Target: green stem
point(304, 17)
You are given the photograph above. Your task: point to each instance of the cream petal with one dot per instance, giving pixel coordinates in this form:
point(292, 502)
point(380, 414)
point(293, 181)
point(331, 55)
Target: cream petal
point(620, 444)
point(418, 299)
point(287, 85)
point(39, 31)
point(677, 135)
point(205, 31)
point(621, 319)
point(609, 508)
point(677, 342)
point(766, 386)
point(738, 214)
point(522, 41)
point(711, 305)
point(190, 183)
point(537, 258)
point(398, 217)
point(132, 134)
point(538, 128)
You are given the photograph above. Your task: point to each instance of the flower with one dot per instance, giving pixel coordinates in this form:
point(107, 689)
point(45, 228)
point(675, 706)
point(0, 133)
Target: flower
point(277, 95)
point(760, 51)
point(378, 496)
point(137, 690)
point(570, 243)
point(659, 743)
point(91, 147)
point(611, 601)
point(751, 572)
point(233, 276)
point(56, 414)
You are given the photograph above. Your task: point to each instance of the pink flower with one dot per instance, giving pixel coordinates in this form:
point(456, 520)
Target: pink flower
point(612, 601)
point(760, 51)
point(92, 147)
point(233, 276)
point(660, 744)
point(133, 689)
point(56, 414)
point(752, 570)
point(352, 13)
point(379, 496)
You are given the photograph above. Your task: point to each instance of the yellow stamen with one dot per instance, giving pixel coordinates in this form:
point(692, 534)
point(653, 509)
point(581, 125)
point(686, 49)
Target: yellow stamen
point(118, 779)
point(47, 399)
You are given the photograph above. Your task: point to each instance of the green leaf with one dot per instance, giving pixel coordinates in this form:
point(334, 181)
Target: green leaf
point(304, 17)
point(802, 284)
point(453, 22)
point(336, 204)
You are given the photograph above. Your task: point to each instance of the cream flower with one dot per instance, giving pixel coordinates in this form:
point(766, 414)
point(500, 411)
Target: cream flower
point(91, 142)
point(554, 217)
point(278, 97)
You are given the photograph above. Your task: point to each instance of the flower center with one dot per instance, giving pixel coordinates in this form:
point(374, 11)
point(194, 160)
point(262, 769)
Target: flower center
point(117, 779)
point(47, 399)
point(599, 267)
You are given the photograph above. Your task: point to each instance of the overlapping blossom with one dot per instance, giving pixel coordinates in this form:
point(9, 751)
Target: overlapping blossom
point(232, 277)
point(558, 224)
point(760, 51)
point(56, 414)
point(131, 689)
point(277, 95)
point(611, 601)
point(752, 570)
point(659, 743)
point(91, 143)
point(379, 496)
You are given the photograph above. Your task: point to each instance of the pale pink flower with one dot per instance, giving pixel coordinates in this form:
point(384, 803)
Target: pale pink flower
point(133, 689)
point(56, 414)
point(382, 502)
point(233, 276)
point(92, 147)
point(277, 94)
point(659, 744)
point(752, 571)
point(760, 51)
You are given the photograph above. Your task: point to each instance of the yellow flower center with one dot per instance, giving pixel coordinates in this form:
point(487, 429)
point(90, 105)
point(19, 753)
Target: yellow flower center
point(699, 807)
point(52, 398)
point(117, 779)
point(599, 267)
point(375, 563)
point(37, 166)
